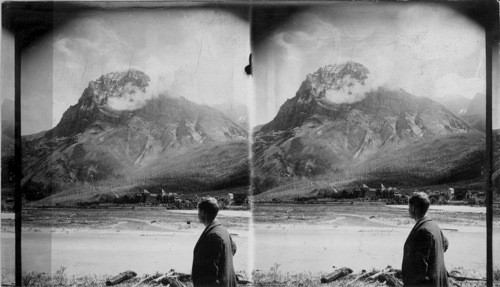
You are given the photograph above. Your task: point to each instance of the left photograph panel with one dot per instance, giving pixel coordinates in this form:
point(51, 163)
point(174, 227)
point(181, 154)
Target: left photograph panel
point(135, 149)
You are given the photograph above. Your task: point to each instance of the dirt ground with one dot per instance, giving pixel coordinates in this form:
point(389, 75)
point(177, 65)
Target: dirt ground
point(153, 218)
point(376, 212)
point(108, 241)
point(361, 236)
point(320, 235)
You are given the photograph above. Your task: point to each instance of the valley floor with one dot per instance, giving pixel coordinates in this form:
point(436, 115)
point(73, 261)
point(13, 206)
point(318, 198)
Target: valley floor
point(361, 236)
point(294, 243)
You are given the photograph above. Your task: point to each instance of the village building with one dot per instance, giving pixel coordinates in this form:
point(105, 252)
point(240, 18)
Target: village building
point(148, 197)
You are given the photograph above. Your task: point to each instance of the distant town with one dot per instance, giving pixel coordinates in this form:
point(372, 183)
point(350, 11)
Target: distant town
point(392, 195)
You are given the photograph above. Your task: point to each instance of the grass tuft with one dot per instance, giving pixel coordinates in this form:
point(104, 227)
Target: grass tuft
point(60, 278)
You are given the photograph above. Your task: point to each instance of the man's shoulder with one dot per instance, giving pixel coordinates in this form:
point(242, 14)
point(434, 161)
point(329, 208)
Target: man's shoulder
point(218, 230)
point(430, 226)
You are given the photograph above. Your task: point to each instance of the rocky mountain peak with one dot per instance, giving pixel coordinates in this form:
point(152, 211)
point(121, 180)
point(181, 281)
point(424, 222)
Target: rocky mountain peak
point(322, 93)
point(345, 77)
point(118, 127)
point(336, 94)
point(110, 99)
point(336, 125)
point(117, 85)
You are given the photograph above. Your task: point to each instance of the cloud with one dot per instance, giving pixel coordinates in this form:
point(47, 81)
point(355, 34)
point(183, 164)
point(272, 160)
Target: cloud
point(313, 34)
point(411, 46)
point(130, 100)
point(81, 52)
point(348, 95)
point(194, 54)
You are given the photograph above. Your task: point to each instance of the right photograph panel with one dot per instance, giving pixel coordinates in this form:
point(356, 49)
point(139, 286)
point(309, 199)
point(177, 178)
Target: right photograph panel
point(364, 115)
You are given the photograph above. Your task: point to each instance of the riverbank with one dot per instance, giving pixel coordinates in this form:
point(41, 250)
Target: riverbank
point(285, 243)
point(113, 240)
point(273, 277)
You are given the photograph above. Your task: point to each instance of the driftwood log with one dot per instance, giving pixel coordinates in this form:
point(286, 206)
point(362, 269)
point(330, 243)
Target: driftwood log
point(183, 277)
point(363, 275)
point(391, 280)
point(336, 275)
point(160, 279)
point(172, 282)
point(121, 277)
point(147, 279)
point(376, 275)
point(462, 278)
point(455, 274)
point(240, 279)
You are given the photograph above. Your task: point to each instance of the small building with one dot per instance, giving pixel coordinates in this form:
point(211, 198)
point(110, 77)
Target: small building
point(171, 197)
point(460, 193)
point(370, 193)
point(239, 198)
point(148, 197)
point(161, 197)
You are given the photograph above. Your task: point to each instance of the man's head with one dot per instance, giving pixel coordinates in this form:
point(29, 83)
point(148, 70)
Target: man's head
point(207, 210)
point(418, 205)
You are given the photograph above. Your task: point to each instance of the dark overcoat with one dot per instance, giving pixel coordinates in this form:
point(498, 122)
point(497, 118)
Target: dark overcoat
point(423, 259)
point(213, 258)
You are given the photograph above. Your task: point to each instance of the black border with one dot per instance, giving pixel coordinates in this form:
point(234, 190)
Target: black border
point(30, 20)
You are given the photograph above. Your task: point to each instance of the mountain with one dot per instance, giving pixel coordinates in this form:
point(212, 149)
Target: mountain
point(119, 132)
point(237, 112)
point(335, 126)
point(471, 110)
point(454, 103)
point(477, 106)
point(312, 99)
point(475, 114)
point(95, 104)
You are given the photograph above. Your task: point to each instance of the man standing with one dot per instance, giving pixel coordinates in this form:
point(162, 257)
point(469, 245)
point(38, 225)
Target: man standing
point(213, 254)
point(423, 259)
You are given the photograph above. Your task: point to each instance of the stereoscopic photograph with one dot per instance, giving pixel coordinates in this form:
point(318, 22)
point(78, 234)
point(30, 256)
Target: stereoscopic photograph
point(363, 111)
point(325, 143)
point(130, 119)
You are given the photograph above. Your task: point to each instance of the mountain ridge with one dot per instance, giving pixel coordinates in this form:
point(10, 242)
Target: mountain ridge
point(96, 141)
point(314, 133)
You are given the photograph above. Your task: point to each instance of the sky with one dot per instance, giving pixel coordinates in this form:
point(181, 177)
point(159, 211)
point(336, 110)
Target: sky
point(428, 50)
point(199, 54)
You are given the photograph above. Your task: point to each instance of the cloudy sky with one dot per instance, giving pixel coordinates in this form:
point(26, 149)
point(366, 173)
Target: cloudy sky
point(199, 54)
point(427, 50)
